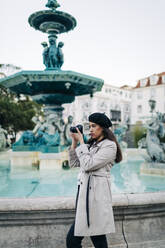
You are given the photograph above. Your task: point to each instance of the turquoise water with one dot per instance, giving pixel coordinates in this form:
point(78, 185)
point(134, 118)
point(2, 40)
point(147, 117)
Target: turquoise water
point(25, 182)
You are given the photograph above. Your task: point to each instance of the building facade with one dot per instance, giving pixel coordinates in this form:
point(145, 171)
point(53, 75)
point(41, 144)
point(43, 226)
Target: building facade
point(113, 101)
point(152, 87)
point(125, 105)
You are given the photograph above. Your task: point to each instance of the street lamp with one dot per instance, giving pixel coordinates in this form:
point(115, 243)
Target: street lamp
point(152, 104)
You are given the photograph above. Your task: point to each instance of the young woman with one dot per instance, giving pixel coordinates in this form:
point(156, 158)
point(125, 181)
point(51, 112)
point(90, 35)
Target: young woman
point(94, 214)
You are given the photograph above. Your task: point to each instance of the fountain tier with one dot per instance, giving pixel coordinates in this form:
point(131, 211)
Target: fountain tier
point(52, 87)
point(47, 20)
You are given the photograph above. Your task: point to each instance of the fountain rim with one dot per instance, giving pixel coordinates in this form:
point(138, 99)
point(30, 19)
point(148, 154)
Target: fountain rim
point(88, 84)
point(49, 72)
point(55, 203)
point(44, 13)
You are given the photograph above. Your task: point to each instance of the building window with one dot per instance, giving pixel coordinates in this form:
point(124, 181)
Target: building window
point(163, 79)
point(139, 109)
point(153, 93)
point(85, 105)
point(115, 115)
point(143, 82)
point(153, 80)
point(102, 106)
point(139, 95)
point(126, 108)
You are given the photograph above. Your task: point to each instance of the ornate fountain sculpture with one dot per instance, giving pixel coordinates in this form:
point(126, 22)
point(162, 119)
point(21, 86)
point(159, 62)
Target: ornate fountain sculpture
point(155, 131)
point(51, 87)
point(4, 141)
point(155, 162)
point(120, 132)
point(52, 4)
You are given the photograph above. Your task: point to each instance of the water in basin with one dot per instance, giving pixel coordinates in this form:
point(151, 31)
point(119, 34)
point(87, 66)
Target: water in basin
point(25, 182)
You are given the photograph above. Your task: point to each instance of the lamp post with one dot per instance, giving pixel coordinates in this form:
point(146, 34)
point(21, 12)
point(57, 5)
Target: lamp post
point(152, 104)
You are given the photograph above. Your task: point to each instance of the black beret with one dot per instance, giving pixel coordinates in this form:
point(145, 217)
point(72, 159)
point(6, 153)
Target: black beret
point(100, 119)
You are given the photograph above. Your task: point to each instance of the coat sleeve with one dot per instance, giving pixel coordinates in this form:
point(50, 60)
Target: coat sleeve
point(73, 159)
point(91, 162)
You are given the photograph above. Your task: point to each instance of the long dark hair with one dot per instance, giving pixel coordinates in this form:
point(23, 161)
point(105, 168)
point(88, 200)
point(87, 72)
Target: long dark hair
point(108, 134)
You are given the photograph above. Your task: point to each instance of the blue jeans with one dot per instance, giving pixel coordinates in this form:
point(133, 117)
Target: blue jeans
point(72, 241)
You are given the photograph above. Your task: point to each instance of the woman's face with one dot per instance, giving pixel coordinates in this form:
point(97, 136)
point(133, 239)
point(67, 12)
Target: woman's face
point(96, 131)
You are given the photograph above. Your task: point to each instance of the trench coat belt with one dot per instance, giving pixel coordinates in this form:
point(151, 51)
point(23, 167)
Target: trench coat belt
point(87, 193)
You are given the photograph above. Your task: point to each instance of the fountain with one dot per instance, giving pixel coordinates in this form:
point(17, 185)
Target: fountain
point(37, 206)
point(52, 88)
point(120, 132)
point(155, 161)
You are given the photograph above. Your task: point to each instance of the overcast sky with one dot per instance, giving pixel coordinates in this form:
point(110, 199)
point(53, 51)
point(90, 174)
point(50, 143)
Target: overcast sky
point(119, 41)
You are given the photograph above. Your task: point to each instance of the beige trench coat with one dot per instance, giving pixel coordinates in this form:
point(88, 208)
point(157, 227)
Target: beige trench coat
point(95, 164)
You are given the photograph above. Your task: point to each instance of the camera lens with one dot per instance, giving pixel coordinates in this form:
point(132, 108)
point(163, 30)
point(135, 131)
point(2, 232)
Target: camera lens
point(74, 130)
point(80, 127)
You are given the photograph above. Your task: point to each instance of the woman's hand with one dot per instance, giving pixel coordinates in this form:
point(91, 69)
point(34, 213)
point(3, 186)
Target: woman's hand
point(79, 136)
point(76, 137)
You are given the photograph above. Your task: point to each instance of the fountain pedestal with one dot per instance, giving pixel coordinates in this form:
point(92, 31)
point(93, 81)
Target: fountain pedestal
point(24, 159)
point(44, 161)
point(51, 161)
point(152, 169)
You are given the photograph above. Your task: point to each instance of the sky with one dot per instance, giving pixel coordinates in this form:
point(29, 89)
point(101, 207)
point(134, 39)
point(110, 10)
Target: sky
point(120, 41)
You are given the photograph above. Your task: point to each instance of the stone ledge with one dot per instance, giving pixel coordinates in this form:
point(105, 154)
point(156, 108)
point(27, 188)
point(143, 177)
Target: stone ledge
point(44, 222)
point(54, 203)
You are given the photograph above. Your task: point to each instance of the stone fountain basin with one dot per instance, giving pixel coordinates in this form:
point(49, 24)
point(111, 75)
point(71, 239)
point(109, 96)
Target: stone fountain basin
point(44, 222)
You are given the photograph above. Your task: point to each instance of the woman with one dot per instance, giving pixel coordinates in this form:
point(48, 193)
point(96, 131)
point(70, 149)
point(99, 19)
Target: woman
point(94, 214)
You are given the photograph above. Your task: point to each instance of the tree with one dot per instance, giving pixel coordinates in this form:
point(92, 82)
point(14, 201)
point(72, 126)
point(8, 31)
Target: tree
point(16, 113)
point(139, 132)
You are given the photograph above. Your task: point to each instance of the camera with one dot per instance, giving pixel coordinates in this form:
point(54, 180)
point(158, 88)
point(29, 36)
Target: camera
point(74, 130)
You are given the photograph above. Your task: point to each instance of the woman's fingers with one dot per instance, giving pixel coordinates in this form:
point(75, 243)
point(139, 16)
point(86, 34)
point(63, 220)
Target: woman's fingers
point(78, 131)
point(74, 136)
point(80, 136)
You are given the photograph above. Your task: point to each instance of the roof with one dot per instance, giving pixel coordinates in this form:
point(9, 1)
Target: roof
point(153, 80)
point(126, 87)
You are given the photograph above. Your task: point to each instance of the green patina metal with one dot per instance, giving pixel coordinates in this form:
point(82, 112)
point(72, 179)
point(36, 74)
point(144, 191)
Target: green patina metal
point(52, 4)
point(53, 86)
point(48, 21)
point(53, 23)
